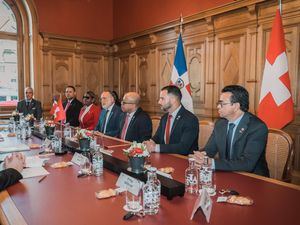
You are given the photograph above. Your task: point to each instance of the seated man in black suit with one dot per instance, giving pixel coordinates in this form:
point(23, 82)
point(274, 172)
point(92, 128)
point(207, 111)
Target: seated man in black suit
point(30, 105)
point(72, 107)
point(12, 173)
point(109, 120)
point(239, 137)
point(178, 129)
point(136, 124)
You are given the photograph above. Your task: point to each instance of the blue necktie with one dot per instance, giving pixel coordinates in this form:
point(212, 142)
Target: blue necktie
point(228, 140)
point(104, 121)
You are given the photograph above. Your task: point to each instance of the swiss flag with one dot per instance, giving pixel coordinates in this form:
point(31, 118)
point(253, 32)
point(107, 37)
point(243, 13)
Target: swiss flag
point(58, 111)
point(276, 103)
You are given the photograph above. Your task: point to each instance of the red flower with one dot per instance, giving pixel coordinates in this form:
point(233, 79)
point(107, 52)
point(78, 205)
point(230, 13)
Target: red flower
point(132, 153)
point(138, 150)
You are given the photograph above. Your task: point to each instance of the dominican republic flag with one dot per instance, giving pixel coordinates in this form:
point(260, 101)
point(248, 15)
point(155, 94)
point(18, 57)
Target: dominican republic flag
point(180, 77)
point(276, 104)
point(58, 111)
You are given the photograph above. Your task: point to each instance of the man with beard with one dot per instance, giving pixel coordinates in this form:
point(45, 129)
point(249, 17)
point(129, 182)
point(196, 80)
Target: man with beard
point(109, 119)
point(72, 106)
point(178, 129)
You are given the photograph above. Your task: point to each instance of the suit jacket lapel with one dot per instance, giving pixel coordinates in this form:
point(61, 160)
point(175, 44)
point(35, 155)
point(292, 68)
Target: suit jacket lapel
point(134, 117)
point(178, 117)
point(242, 127)
point(31, 104)
point(110, 115)
point(222, 136)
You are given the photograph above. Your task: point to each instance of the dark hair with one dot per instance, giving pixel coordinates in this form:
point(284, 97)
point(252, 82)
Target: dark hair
point(239, 95)
point(92, 94)
point(116, 97)
point(70, 86)
point(174, 90)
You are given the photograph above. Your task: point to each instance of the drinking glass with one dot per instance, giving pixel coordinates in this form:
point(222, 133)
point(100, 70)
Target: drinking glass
point(85, 166)
point(133, 202)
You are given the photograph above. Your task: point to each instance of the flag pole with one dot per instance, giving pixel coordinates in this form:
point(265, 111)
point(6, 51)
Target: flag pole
point(181, 22)
point(280, 7)
point(61, 123)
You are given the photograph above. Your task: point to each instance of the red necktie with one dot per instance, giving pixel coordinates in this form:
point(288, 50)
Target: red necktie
point(123, 134)
point(67, 106)
point(167, 131)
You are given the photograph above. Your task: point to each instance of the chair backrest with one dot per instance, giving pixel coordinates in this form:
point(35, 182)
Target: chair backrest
point(155, 123)
point(279, 154)
point(205, 130)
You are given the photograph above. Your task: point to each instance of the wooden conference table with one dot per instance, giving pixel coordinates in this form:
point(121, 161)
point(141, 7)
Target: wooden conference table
point(62, 198)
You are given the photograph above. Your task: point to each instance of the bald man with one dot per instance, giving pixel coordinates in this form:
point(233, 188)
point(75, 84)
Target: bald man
point(29, 105)
point(135, 124)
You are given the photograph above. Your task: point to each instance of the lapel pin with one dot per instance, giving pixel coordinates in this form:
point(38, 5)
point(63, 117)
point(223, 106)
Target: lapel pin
point(242, 130)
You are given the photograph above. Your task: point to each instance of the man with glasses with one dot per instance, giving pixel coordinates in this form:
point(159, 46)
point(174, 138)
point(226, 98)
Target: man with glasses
point(72, 106)
point(29, 105)
point(136, 124)
point(178, 129)
point(109, 120)
point(239, 137)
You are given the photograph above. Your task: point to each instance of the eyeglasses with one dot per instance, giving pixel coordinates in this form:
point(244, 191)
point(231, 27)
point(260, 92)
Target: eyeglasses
point(220, 103)
point(128, 103)
point(87, 97)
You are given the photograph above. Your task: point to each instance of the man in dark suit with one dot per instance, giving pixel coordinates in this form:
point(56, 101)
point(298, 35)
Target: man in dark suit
point(178, 129)
point(12, 173)
point(109, 120)
point(30, 105)
point(136, 124)
point(239, 137)
point(72, 107)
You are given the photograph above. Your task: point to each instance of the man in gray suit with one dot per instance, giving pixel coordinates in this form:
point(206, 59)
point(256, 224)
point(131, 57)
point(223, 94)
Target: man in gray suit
point(239, 137)
point(30, 105)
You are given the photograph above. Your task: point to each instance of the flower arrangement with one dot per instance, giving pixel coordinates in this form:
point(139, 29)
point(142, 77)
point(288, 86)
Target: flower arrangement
point(83, 133)
point(49, 123)
point(136, 150)
point(29, 117)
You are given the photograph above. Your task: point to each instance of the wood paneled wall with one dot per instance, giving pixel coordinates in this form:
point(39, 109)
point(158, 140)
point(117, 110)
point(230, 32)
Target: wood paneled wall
point(225, 45)
point(81, 63)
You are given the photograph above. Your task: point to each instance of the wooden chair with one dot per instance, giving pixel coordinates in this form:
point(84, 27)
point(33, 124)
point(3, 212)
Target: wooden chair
point(205, 130)
point(155, 123)
point(279, 154)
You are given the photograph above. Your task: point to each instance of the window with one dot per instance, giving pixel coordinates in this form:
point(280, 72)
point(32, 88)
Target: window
point(2, 98)
point(8, 56)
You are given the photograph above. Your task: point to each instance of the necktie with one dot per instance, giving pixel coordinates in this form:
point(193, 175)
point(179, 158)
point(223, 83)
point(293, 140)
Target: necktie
point(103, 128)
point(228, 140)
point(123, 134)
point(27, 104)
point(167, 131)
point(67, 106)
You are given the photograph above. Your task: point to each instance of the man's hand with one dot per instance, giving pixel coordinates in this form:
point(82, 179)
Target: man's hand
point(150, 144)
point(199, 157)
point(15, 161)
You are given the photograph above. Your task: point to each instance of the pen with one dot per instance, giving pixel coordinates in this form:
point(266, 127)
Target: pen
point(40, 180)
